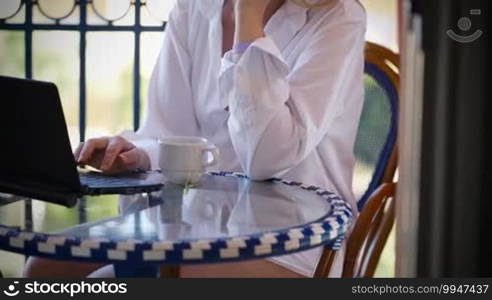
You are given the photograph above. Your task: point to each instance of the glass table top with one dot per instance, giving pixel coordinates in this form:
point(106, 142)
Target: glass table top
point(218, 207)
point(226, 217)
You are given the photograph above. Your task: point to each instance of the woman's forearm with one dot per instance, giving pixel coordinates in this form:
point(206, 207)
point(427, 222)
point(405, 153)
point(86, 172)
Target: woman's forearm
point(249, 15)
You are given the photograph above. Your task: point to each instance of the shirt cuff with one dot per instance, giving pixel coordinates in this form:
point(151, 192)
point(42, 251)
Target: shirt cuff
point(230, 60)
point(241, 47)
point(266, 44)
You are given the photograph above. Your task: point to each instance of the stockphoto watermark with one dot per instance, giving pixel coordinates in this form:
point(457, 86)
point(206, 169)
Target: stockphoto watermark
point(69, 289)
point(465, 25)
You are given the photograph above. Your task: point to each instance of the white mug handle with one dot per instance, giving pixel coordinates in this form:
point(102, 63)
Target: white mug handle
point(212, 149)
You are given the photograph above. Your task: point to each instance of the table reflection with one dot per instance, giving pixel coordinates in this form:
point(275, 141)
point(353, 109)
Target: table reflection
point(217, 207)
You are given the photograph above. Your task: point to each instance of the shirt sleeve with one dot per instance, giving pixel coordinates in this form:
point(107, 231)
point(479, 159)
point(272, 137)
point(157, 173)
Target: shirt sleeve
point(279, 113)
point(170, 109)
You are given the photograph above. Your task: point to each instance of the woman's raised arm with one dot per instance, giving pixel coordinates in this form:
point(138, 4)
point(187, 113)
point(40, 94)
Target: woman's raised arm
point(280, 113)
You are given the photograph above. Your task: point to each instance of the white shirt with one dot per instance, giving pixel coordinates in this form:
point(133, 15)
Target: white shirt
point(295, 97)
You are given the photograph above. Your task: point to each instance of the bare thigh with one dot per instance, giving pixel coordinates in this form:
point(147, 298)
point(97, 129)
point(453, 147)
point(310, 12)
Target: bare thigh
point(37, 267)
point(46, 268)
point(246, 269)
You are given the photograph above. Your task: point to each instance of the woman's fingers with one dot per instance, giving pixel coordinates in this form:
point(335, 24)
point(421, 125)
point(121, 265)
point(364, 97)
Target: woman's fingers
point(124, 162)
point(130, 159)
point(114, 148)
point(76, 154)
point(112, 162)
point(112, 155)
point(88, 148)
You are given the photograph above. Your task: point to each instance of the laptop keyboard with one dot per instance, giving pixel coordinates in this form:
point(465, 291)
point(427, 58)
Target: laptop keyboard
point(95, 180)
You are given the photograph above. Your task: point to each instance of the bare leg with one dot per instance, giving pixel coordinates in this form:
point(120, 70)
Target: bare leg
point(247, 269)
point(37, 267)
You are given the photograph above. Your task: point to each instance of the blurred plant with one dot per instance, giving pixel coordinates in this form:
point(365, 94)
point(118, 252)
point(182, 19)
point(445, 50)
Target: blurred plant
point(11, 53)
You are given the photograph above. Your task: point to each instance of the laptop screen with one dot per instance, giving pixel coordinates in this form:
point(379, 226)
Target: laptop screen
point(35, 147)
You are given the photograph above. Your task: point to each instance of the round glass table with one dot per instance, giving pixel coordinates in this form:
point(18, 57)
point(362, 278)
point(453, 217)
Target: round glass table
point(226, 217)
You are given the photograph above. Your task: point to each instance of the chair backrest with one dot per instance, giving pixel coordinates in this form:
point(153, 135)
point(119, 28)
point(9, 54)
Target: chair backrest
point(376, 162)
point(375, 146)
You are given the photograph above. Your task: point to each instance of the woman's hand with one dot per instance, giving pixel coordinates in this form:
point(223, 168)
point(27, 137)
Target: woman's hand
point(250, 17)
point(112, 155)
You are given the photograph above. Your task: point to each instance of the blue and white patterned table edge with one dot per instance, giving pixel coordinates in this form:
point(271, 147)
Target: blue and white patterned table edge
point(328, 231)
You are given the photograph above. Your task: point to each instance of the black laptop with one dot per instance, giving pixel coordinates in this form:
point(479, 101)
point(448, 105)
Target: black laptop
point(36, 158)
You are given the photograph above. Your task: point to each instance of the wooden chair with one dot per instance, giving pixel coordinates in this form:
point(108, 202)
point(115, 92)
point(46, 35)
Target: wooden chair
point(369, 235)
point(376, 152)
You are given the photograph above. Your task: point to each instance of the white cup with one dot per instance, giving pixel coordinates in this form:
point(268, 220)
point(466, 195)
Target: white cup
point(183, 160)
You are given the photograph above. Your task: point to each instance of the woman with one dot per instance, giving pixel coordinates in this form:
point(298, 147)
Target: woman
point(278, 86)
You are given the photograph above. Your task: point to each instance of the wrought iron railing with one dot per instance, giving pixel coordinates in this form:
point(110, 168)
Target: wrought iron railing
point(83, 27)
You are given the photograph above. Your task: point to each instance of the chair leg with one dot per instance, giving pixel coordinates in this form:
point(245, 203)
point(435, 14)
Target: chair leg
point(381, 238)
point(325, 264)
